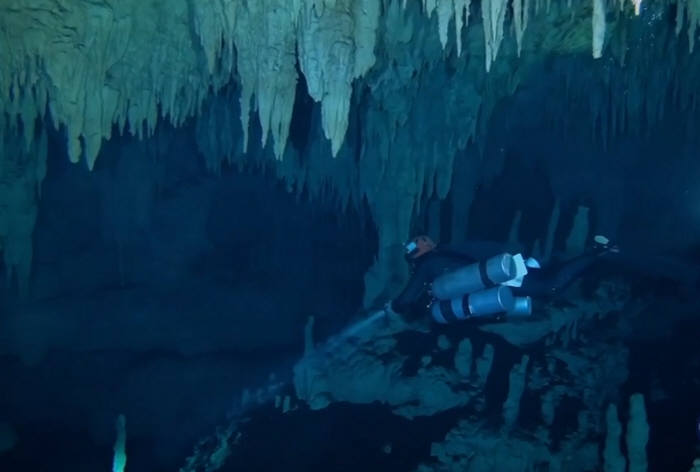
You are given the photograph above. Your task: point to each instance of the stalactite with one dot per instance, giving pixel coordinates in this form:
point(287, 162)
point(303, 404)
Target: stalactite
point(521, 11)
point(493, 13)
point(112, 79)
point(445, 10)
point(598, 28)
point(334, 43)
point(461, 21)
point(429, 6)
point(217, 133)
point(680, 16)
point(434, 216)
point(693, 9)
point(637, 6)
point(463, 189)
point(22, 170)
point(329, 72)
point(265, 38)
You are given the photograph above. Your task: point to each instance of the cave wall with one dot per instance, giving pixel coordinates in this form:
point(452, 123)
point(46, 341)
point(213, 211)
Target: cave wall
point(402, 87)
point(236, 250)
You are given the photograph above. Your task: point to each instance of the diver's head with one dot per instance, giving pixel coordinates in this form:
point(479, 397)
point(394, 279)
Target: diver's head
point(418, 246)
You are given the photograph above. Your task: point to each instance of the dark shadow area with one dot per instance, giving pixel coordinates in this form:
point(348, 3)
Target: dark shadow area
point(666, 372)
point(342, 437)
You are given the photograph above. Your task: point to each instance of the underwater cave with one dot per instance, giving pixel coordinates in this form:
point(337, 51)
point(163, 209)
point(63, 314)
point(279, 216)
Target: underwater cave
point(213, 212)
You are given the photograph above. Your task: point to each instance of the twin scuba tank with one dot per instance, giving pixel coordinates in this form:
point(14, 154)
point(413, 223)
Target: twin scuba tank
point(481, 289)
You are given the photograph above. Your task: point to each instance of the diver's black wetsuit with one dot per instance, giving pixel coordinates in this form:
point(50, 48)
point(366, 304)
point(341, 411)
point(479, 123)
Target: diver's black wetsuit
point(556, 277)
point(415, 298)
point(413, 301)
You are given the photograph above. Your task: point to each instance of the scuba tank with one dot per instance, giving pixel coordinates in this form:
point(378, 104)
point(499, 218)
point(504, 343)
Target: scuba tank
point(475, 277)
point(522, 307)
point(488, 302)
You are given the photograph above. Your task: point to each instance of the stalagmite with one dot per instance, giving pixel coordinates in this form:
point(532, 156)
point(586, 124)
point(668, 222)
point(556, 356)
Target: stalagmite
point(516, 386)
point(578, 234)
point(514, 232)
point(463, 358)
point(551, 231)
point(637, 435)
point(484, 363)
point(613, 458)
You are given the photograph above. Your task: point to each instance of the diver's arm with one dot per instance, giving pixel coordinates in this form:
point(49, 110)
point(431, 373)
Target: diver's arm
point(411, 293)
point(475, 250)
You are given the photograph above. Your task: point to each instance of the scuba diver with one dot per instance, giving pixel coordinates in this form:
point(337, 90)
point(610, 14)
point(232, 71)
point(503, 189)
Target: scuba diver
point(480, 280)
